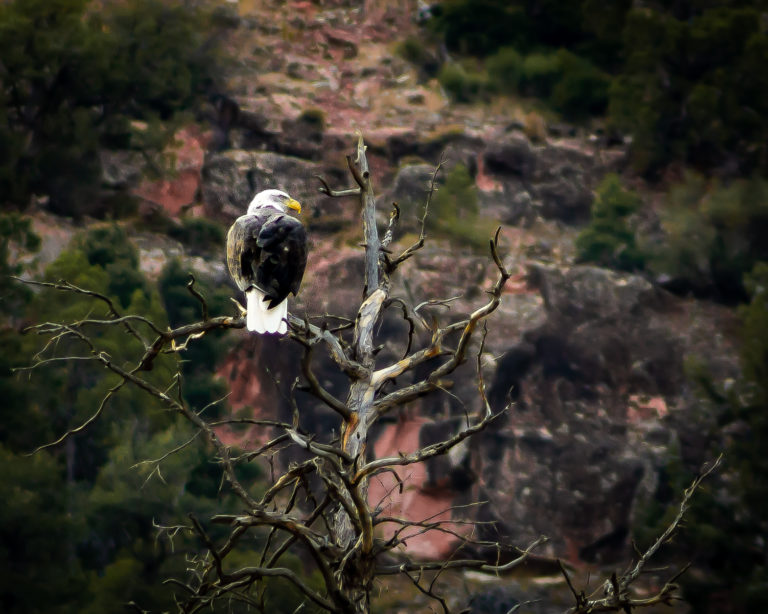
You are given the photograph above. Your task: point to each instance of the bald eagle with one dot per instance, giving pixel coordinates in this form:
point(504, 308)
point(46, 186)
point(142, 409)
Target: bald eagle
point(266, 256)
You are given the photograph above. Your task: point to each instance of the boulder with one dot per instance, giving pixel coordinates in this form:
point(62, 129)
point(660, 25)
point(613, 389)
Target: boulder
point(121, 168)
point(431, 148)
point(410, 187)
point(225, 187)
point(565, 198)
point(513, 157)
point(565, 178)
point(231, 178)
point(302, 137)
point(557, 179)
point(573, 384)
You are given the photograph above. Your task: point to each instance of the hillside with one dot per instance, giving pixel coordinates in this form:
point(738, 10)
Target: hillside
point(593, 363)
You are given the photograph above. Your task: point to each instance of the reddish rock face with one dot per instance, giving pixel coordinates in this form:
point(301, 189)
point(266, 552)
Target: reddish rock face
point(252, 393)
point(593, 388)
point(179, 191)
point(588, 363)
point(412, 501)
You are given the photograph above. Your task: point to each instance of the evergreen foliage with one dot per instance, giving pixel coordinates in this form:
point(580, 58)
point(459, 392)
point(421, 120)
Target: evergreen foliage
point(681, 101)
point(201, 387)
point(569, 83)
point(714, 234)
point(108, 247)
point(711, 234)
point(16, 239)
point(79, 522)
point(610, 240)
point(462, 84)
point(455, 212)
point(479, 27)
point(505, 69)
point(652, 67)
point(581, 91)
point(37, 534)
point(540, 72)
point(414, 50)
point(76, 78)
point(199, 235)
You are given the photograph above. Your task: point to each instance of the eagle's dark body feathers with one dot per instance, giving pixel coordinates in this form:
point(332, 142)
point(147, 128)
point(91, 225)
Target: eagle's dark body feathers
point(266, 257)
point(270, 253)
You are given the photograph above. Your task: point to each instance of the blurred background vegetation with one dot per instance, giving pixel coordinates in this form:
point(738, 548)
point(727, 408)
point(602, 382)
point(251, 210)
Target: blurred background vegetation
point(79, 77)
point(79, 522)
point(683, 79)
point(684, 83)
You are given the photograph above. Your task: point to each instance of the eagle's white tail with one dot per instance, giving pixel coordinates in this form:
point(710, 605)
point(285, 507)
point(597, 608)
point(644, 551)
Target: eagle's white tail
point(260, 318)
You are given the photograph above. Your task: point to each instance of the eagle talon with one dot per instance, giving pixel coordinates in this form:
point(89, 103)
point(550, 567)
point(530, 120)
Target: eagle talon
point(243, 311)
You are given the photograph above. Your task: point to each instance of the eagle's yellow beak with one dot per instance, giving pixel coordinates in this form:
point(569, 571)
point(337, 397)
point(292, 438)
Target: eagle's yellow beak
point(293, 204)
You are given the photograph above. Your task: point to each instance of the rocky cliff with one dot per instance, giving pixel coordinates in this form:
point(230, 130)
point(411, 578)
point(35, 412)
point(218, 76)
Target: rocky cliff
point(588, 362)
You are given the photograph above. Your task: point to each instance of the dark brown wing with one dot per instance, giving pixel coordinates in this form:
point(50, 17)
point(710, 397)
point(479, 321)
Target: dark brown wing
point(267, 250)
point(243, 253)
point(283, 243)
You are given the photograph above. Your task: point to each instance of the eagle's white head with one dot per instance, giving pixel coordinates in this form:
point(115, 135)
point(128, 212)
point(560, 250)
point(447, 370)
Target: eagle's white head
point(276, 199)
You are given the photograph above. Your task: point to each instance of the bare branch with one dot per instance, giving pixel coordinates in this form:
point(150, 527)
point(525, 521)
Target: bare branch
point(313, 334)
point(462, 563)
point(178, 448)
point(407, 317)
point(667, 534)
point(389, 235)
point(326, 189)
point(68, 287)
point(393, 264)
point(79, 429)
point(337, 528)
point(468, 326)
point(194, 292)
point(316, 389)
point(254, 573)
point(618, 597)
point(445, 302)
point(359, 169)
point(424, 453)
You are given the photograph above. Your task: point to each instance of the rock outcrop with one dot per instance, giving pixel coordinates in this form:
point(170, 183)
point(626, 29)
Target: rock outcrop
point(588, 362)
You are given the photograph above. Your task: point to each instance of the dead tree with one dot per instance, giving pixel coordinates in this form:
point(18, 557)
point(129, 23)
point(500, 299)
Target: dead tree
point(336, 529)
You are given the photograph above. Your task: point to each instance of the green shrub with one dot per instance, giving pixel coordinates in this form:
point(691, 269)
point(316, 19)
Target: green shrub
point(723, 536)
point(714, 234)
point(480, 27)
point(540, 73)
point(18, 238)
point(505, 68)
point(681, 102)
point(202, 387)
point(609, 240)
point(651, 66)
point(582, 89)
point(413, 50)
point(457, 197)
point(199, 235)
point(460, 84)
point(109, 248)
point(454, 212)
point(117, 205)
point(73, 78)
